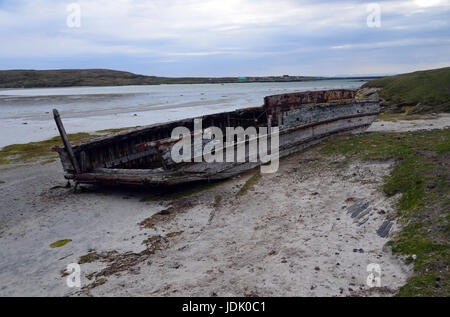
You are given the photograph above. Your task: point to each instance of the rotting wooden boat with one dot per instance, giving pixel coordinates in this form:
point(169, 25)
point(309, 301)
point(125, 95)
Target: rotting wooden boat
point(142, 156)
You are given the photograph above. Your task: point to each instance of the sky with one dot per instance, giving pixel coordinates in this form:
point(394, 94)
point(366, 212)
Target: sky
point(227, 37)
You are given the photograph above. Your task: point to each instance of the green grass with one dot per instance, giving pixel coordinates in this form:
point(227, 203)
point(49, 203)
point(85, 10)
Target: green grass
point(89, 258)
point(411, 241)
point(394, 117)
point(42, 150)
point(409, 178)
point(385, 146)
point(431, 88)
point(35, 150)
point(249, 184)
point(93, 256)
point(117, 130)
point(369, 147)
point(60, 243)
point(421, 178)
point(4, 162)
point(427, 285)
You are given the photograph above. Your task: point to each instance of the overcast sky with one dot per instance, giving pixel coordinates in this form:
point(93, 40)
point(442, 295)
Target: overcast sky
point(226, 37)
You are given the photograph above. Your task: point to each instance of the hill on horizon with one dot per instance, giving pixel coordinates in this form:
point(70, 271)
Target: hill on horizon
point(71, 77)
point(106, 77)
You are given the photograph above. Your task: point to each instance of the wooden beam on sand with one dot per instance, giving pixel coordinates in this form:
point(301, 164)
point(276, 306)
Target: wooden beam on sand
point(66, 142)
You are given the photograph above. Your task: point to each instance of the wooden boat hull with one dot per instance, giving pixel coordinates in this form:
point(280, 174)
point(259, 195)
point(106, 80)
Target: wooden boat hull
point(141, 157)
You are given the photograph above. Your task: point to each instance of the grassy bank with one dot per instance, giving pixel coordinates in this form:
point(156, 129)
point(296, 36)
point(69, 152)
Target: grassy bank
point(42, 150)
point(422, 176)
point(424, 91)
point(35, 151)
point(404, 115)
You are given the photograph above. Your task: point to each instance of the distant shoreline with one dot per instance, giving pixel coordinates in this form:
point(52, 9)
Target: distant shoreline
point(24, 79)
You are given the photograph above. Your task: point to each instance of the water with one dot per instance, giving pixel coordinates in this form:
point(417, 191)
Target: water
point(26, 114)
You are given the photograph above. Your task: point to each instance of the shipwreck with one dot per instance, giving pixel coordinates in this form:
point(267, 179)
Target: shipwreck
point(142, 156)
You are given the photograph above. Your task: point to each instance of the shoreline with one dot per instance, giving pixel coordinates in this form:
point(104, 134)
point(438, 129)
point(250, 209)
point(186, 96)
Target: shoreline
point(141, 80)
point(154, 105)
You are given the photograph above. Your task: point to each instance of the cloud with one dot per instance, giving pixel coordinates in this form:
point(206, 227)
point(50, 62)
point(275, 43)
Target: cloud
point(240, 33)
point(430, 3)
point(397, 43)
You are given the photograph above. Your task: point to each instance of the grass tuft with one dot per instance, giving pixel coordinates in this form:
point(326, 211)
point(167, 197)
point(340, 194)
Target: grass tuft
point(60, 243)
point(249, 184)
point(35, 150)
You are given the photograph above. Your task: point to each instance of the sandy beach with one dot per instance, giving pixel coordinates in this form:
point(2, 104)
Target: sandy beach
point(289, 235)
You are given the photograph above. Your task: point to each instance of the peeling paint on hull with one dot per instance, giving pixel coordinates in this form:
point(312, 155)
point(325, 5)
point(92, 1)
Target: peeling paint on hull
point(141, 157)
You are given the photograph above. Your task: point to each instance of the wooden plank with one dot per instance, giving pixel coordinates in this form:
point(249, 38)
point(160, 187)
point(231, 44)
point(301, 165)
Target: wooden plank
point(66, 142)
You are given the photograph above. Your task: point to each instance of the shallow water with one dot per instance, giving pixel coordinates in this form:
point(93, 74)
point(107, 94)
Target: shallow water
point(25, 114)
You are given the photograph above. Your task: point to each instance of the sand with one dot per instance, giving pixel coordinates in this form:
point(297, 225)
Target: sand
point(441, 121)
point(290, 235)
